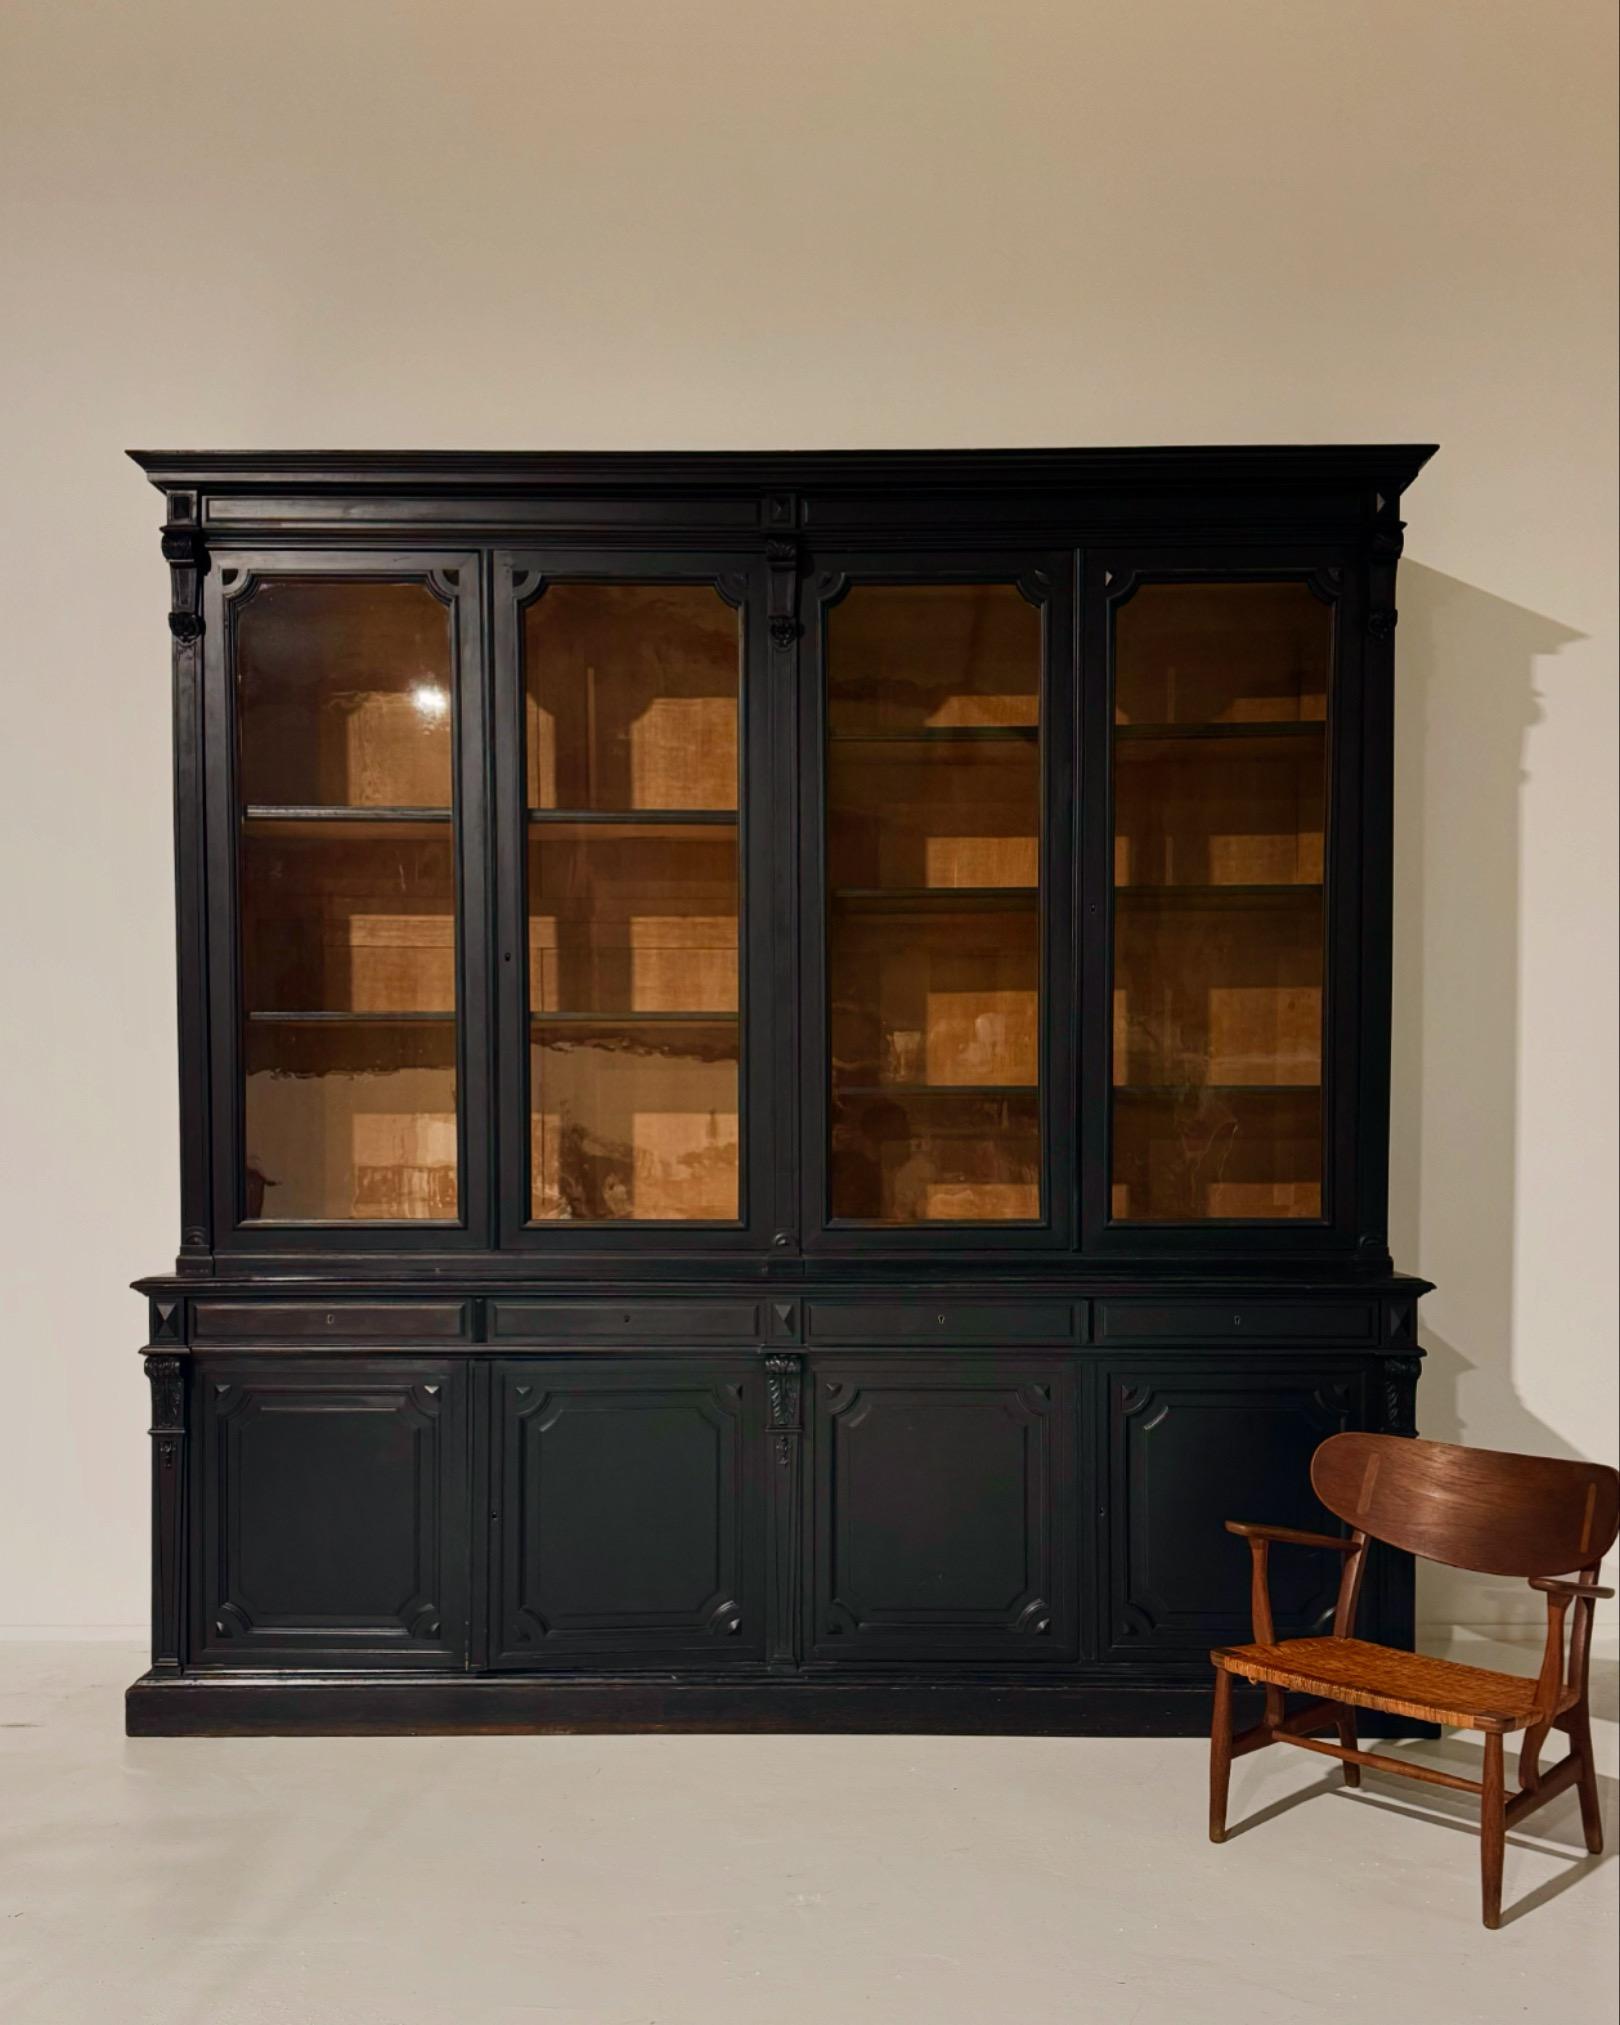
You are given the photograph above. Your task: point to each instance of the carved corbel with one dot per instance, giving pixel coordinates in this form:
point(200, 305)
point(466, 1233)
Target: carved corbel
point(187, 556)
point(782, 598)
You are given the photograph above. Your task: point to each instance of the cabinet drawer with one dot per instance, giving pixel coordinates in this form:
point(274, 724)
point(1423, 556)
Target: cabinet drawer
point(333, 1321)
point(989, 1322)
point(624, 1321)
point(1237, 1320)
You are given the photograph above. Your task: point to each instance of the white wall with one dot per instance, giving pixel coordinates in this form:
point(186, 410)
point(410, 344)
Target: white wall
point(831, 222)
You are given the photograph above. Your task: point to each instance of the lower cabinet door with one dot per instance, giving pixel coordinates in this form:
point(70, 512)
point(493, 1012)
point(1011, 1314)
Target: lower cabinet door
point(1189, 1448)
point(944, 1510)
point(330, 1523)
point(628, 1512)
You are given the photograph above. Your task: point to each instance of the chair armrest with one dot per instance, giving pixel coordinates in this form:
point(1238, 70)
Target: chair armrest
point(1291, 1536)
point(1262, 1538)
point(1550, 1586)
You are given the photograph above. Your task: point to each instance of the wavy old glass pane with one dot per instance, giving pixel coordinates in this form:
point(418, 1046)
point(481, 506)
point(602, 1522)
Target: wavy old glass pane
point(634, 897)
point(1220, 822)
point(344, 705)
point(933, 873)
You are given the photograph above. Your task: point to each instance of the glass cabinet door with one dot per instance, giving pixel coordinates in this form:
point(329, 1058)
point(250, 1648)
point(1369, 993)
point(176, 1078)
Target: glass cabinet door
point(933, 936)
point(344, 703)
point(1221, 717)
point(633, 892)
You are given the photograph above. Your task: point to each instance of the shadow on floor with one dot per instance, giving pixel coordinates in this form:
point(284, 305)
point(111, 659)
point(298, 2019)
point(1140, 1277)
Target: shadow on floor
point(1553, 1831)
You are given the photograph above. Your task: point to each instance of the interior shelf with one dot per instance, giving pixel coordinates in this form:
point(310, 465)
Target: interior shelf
point(315, 813)
point(1218, 895)
point(1260, 728)
point(633, 1019)
point(943, 899)
point(907, 1091)
point(1162, 1092)
point(352, 1019)
point(637, 819)
point(945, 734)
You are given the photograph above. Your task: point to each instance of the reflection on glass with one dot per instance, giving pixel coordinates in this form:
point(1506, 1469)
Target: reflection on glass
point(933, 870)
point(348, 918)
point(343, 695)
point(1220, 821)
point(634, 897)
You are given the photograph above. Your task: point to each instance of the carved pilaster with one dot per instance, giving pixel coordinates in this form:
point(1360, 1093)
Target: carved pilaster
point(1400, 1393)
point(186, 554)
point(168, 1380)
point(784, 1390)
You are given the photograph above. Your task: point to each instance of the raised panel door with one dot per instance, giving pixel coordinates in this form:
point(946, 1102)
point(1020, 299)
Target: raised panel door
point(1191, 1444)
point(332, 1498)
point(944, 1509)
point(628, 1512)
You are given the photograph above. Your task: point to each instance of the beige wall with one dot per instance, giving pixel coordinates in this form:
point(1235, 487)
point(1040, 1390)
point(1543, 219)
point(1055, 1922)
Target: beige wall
point(740, 222)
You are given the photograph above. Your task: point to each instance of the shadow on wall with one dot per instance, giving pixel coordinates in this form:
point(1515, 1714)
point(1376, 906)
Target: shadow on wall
point(1466, 698)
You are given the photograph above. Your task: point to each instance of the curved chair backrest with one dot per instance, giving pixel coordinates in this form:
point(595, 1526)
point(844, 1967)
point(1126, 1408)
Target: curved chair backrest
point(1472, 1508)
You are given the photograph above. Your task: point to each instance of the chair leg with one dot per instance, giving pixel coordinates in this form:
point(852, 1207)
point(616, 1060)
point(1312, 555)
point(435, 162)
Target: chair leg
point(1530, 1757)
point(1220, 1755)
point(1580, 1739)
point(1492, 1830)
point(1345, 1720)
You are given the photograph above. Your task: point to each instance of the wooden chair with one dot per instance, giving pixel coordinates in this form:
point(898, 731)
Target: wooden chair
point(1469, 1508)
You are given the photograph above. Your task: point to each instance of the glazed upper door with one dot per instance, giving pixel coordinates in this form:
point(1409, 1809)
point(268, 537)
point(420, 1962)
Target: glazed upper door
point(632, 747)
point(1222, 1025)
point(344, 740)
point(936, 748)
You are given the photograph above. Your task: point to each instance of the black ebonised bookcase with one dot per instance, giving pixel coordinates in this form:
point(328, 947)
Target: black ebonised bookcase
point(784, 1077)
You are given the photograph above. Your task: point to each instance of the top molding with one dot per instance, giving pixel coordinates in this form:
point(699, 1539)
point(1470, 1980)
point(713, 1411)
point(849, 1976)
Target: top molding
point(1388, 467)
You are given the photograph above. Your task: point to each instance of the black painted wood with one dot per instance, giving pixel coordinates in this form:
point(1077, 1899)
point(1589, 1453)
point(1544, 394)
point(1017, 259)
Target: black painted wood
point(944, 1510)
point(1191, 1443)
point(627, 1515)
point(498, 1476)
point(331, 1500)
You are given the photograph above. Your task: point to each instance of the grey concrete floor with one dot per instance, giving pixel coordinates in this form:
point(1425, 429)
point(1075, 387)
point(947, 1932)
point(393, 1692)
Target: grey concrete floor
point(671, 1880)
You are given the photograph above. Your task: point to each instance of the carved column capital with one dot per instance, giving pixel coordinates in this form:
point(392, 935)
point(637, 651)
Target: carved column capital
point(784, 1386)
point(1400, 1394)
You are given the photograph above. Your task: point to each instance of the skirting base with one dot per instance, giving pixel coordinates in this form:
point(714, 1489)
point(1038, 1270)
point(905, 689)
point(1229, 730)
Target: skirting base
point(389, 1705)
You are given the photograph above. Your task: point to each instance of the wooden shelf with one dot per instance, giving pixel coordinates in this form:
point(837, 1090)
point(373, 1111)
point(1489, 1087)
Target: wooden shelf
point(958, 734)
point(639, 819)
point(934, 899)
point(1284, 727)
point(906, 1091)
point(633, 1019)
point(1160, 1092)
point(353, 1019)
point(279, 812)
point(1219, 896)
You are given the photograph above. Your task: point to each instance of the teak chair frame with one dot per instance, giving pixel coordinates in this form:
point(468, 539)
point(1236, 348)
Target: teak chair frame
point(1468, 1508)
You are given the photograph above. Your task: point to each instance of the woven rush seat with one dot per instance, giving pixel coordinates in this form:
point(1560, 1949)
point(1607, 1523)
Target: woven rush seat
point(1380, 1677)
